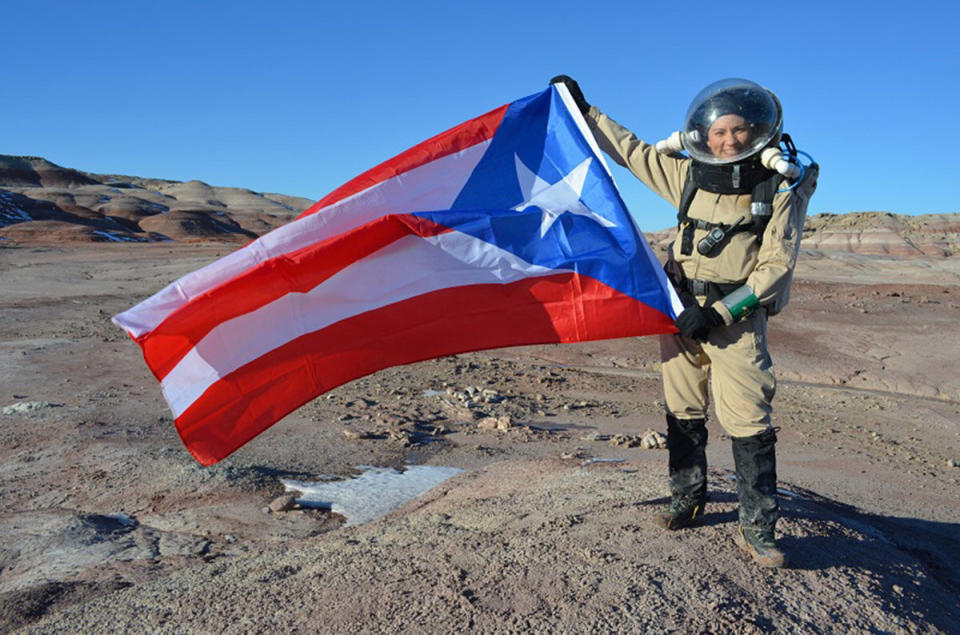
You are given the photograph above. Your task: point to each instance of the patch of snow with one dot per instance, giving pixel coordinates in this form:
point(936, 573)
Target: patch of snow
point(28, 406)
point(375, 492)
point(601, 460)
point(123, 519)
point(111, 237)
point(11, 213)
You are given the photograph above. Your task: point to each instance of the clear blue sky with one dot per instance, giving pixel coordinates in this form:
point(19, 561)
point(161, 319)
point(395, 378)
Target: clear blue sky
point(299, 97)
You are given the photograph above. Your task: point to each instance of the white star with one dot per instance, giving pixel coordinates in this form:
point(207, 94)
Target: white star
point(553, 200)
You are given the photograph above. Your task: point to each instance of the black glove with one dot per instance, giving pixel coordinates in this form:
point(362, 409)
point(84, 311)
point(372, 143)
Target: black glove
point(696, 321)
point(575, 92)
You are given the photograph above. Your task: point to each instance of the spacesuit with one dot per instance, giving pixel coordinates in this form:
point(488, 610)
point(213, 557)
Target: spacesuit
point(740, 225)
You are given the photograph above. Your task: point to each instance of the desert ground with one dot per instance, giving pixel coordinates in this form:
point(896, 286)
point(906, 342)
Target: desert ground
point(109, 525)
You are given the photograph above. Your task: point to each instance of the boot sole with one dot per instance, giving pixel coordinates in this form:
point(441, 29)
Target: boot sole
point(772, 562)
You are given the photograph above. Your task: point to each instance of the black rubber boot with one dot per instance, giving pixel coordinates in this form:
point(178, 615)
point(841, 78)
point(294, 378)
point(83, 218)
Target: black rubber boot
point(687, 443)
point(756, 463)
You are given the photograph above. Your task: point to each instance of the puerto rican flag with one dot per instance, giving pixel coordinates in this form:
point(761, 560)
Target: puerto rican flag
point(505, 230)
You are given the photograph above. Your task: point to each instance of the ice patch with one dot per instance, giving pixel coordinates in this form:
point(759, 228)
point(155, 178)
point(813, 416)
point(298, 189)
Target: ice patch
point(372, 494)
point(10, 213)
point(24, 407)
point(593, 460)
point(788, 493)
point(113, 237)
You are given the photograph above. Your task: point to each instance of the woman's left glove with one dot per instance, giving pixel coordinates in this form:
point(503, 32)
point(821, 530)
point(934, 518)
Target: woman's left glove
point(575, 92)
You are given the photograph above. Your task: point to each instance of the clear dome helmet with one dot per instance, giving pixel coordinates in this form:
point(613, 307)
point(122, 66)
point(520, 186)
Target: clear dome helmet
point(731, 120)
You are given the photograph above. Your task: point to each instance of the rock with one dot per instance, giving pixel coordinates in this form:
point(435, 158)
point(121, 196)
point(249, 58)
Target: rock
point(653, 440)
point(283, 503)
point(487, 423)
point(491, 396)
point(951, 463)
point(358, 434)
point(404, 436)
point(502, 423)
point(173, 544)
point(625, 441)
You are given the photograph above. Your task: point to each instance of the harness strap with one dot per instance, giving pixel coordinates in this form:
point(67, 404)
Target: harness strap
point(710, 289)
point(761, 209)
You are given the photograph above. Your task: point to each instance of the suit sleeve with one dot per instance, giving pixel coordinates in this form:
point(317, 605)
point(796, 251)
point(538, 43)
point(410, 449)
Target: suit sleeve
point(662, 174)
point(781, 241)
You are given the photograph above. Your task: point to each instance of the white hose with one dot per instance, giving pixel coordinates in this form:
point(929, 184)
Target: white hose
point(772, 159)
point(671, 145)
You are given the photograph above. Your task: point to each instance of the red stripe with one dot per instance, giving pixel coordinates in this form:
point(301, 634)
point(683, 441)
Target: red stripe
point(558, 308)
point(295, 272)
point(453, 140)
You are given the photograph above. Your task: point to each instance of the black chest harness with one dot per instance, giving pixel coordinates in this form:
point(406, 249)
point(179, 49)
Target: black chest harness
point(739, 178)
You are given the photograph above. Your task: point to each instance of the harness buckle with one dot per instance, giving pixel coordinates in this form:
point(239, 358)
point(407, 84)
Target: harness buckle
point(697, 287)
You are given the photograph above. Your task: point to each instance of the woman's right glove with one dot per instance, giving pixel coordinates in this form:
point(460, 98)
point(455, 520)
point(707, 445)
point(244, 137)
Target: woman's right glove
point(696, 321)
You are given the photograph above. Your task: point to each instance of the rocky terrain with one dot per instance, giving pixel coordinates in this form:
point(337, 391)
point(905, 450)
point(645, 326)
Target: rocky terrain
point(108, 525)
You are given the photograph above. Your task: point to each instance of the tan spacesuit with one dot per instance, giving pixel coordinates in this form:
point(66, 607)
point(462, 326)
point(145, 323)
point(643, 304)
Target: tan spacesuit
point(732, 262)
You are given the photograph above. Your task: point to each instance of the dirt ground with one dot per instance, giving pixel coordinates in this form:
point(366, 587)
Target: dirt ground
point(107, 524)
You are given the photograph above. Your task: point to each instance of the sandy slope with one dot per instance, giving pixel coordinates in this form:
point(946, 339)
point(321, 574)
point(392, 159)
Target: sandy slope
point(107, 524)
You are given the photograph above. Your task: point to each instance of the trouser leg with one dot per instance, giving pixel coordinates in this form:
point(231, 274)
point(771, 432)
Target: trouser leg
point(685, 369)
point(742, 376)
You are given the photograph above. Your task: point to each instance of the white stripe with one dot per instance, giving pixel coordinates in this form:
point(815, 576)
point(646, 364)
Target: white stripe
point(448, 260)
point(581, 122)
point(430, 187)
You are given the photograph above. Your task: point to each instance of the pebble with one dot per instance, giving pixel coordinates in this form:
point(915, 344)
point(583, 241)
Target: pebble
point(951, 463)
point(283, 503)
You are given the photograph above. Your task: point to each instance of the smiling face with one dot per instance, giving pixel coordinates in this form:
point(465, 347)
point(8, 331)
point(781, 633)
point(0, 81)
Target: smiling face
point(729, 136)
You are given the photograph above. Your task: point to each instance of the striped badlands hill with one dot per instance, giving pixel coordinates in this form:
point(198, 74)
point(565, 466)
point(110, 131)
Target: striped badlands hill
point(41, 202)
point(869, 233)
point(883, 233)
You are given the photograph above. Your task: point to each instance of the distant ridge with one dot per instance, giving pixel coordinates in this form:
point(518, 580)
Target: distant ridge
point(42, 202)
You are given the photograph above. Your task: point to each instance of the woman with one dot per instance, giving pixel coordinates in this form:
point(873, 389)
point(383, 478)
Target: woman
point(740, 226)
